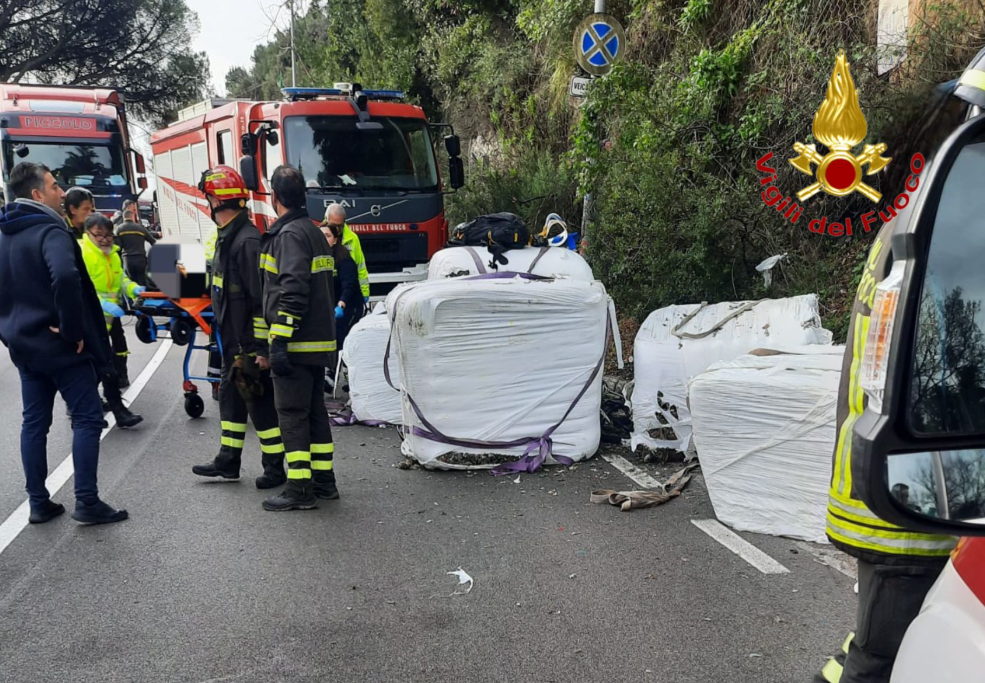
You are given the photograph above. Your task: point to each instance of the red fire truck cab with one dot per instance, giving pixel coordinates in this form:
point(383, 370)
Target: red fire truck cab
point(365, 149)
point(79, 133)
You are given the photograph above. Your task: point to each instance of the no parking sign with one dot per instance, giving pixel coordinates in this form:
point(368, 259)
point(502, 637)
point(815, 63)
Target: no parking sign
point(599, 40)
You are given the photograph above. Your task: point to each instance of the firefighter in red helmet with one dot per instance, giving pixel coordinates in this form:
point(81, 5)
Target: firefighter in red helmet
point(245, 387)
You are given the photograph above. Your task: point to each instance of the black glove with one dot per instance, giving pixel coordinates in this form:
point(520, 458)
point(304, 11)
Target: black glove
point(246, 374)
point(280, 363)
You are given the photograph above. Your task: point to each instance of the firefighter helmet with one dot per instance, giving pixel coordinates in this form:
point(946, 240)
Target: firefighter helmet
point(225, 184)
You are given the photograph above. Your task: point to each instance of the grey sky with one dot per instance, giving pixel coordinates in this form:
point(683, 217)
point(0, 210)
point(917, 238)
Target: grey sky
point(231, 29)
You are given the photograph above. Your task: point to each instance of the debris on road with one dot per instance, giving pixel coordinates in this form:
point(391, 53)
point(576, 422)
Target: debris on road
point(631, 500)
point(617, 415)
point(463, 578)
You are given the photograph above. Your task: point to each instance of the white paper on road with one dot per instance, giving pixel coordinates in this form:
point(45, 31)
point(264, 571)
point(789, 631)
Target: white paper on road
point(556, 262)
point(463, 579)
point(499, 360)
point(363, 354)
point(764, 427)
point(664, 363)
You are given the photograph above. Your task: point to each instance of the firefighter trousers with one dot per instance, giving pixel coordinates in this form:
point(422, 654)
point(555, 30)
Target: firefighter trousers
point(233, 411)
point(889, 599)
point(304, 422)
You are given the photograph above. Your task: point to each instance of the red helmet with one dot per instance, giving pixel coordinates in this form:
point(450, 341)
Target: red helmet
point(224, 183)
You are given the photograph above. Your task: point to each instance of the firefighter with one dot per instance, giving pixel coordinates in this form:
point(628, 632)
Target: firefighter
point(132, 238)
point(79, 205)
point(896, 567)
point(335, 216)
point(298, 304)
point(245, 387)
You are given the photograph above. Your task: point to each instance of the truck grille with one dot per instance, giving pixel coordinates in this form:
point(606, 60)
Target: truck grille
point(393, 253)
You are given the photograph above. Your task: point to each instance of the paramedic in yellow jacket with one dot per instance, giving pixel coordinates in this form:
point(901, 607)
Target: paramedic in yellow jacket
point(102, 259)
point(335, 215)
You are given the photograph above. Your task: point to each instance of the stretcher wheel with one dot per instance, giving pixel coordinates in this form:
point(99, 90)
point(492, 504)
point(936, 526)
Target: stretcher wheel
point(181, 332)
point(145, 331)
point(194, 405)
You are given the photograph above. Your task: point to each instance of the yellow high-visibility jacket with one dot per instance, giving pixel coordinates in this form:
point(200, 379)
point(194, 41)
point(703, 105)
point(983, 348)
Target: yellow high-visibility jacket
point(106, 273)
point(350, 240)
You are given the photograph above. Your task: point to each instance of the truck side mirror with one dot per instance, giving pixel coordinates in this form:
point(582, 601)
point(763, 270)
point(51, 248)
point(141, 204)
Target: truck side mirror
point(248, 169)
point(248, 144)
point(454, 145)
point(456, 173)
point(141, 165)
point(142, 182)
point(918, 449)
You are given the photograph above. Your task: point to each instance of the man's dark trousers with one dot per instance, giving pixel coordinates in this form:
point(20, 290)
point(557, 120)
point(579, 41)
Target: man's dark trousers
point(78, 385)
point(233, 411)
point(889, 599)
point(137, 269)
point(304, 422)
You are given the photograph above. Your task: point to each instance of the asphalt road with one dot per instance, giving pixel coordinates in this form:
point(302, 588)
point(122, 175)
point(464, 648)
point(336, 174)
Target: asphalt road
point(202, 585)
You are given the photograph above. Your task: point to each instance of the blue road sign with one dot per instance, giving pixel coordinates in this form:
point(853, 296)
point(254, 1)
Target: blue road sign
point(598, 41)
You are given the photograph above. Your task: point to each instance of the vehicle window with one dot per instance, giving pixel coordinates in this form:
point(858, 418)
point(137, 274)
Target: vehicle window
point(98, 167)
point(224, 147)
point(947, 391)
point(270, 157)
point(333, 153)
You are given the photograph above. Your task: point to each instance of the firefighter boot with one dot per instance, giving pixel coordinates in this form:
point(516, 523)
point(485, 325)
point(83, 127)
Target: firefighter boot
point(325, 487)
point(225, 466)
point(121, 371)
point(299, 494)
point(273, 471)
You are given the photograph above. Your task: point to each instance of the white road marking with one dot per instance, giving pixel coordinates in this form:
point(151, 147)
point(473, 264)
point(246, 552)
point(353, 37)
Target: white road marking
point(748, 552)
point(632, 471)
point(832, 557)
point(18, 519)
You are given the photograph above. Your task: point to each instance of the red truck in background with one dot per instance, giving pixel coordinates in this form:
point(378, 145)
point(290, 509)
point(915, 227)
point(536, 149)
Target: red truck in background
point(79, 133)
point(365, 149)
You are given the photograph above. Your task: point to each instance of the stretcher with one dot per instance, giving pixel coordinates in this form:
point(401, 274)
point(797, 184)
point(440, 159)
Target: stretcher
point(182, 320)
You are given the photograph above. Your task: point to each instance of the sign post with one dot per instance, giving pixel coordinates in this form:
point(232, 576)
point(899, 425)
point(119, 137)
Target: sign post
point(599, 40)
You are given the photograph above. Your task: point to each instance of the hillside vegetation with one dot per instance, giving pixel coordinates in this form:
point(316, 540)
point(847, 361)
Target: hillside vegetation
point(667, 142)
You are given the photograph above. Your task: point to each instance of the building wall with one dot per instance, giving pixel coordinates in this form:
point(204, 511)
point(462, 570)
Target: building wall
point(896, 18)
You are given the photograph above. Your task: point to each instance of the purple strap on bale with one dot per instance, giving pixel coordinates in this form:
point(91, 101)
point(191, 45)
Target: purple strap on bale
point(476, 259)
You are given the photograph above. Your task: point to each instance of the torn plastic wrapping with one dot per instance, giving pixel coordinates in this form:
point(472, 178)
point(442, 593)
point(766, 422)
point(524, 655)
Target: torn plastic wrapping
point(670, 349)
point(497, 361)
point(765, 427)
point(373, 400)
point(554, 262)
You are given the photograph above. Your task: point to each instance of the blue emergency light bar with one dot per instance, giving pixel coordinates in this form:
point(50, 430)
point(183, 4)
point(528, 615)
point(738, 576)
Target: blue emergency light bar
point(311, 93)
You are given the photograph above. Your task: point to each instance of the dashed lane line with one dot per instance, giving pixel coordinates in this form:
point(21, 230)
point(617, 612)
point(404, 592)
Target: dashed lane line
point(15, 523)
point(747, 551)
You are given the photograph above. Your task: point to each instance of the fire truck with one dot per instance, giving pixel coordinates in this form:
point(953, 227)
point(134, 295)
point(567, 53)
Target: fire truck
point(79, 133)
point(368, 150)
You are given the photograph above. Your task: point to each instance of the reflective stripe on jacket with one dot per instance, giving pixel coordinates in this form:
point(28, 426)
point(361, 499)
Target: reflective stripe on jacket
point(350, 240)
point(298, 298)
point(851, 526)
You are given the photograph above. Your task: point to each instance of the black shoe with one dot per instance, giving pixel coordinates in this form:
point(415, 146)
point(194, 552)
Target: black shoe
point(98, 513)
point(226, 468)
point(215, 391)
point(45, 512)
point(125, 419)
point(273, 472)
point(325, 487)
point(295, 496)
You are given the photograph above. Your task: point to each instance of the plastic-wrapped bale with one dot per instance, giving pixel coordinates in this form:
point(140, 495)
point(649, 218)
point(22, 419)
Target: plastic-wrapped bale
point(765, 429)
point(373, 399)
point(547, 262)
point(489, 366)
point(678, 342)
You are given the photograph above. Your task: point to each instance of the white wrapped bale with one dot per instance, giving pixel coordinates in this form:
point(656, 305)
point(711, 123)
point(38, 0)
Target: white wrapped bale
point(765, 429)
point(373, 400)
point(553, 262)
point(497, 361)
point(677, 343)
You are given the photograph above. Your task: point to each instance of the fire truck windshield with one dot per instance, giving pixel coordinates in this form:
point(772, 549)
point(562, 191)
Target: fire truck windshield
point(333, 154)
point(98, 167)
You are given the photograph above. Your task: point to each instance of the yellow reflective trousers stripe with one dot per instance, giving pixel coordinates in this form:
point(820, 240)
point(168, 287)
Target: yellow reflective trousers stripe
point(298, 456)
point(321, 465)
point(234, 426)
point(232, 443)
point(323, 448)
point(299, 474)
point(269, 433)
point(272, 448)
point(832, 671)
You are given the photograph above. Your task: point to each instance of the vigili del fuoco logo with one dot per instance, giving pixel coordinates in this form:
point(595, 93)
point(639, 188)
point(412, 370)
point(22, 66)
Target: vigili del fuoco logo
point(839, 125)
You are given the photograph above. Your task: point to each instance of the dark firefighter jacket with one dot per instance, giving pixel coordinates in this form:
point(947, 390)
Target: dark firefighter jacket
point(298, 298)
point(131, 238)
point(237, 299)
